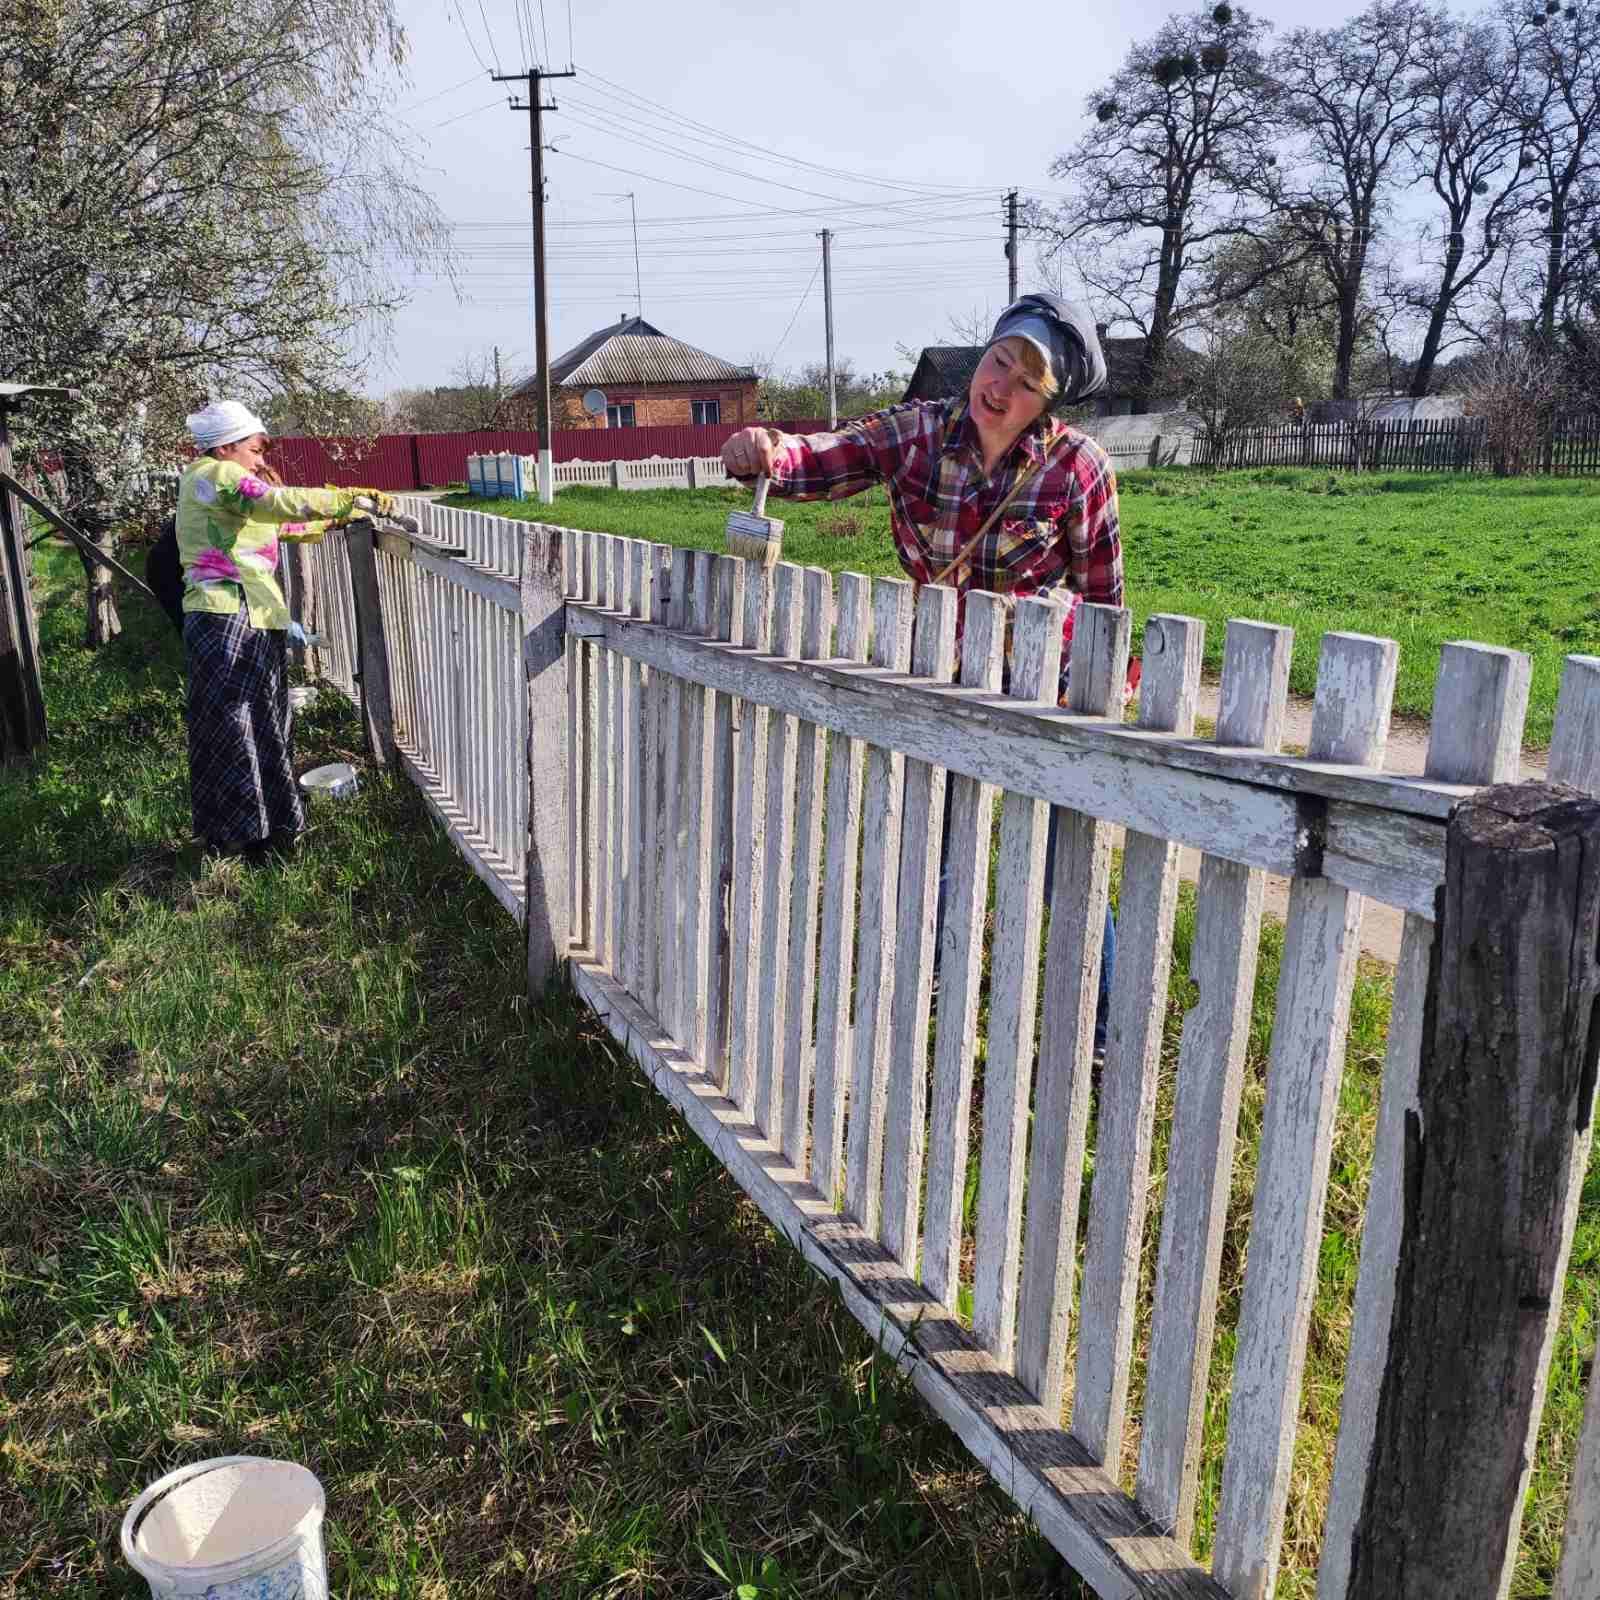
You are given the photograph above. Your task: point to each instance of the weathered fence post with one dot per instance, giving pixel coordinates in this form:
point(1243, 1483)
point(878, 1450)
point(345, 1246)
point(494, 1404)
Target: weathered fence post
point(544, 661)
point(690, 473)
point(1494, 1163)
point(22, 717)
point(372, 659)
point(616, 474)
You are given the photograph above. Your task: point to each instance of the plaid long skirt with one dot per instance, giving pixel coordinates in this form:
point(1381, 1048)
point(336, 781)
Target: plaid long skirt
point(241, 764)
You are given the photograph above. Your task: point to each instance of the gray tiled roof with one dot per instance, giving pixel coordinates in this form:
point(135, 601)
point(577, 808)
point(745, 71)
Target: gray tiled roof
point(632, 353)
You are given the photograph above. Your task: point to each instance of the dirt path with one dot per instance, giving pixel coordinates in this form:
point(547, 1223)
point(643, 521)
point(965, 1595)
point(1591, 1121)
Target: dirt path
point(1407, 752)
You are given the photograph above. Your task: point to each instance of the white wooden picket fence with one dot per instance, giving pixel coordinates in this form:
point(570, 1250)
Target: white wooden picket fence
point(766, 773)
point(504, 475)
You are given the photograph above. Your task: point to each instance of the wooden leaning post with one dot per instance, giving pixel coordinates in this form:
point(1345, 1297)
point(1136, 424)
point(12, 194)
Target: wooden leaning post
point(1495, 1156)
point(544, 661)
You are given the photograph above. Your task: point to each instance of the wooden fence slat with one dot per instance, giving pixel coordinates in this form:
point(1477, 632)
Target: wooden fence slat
point(695, 823)
point(773, 972)
point(1579, 1575)
point(641, 776)
point(1072, 984)
point(1146, 905)
point(892, 600)
point(1210, 1081)
point(728, 607)
point(971, 812)
point(921, 829)
point(1575, 743)
point(622, 752)
point(836, 955)
point(654, 596)
point(604, 815)
point(673, 576)
point(749, 847)
point(591, 753)
point(1350, 723)
point(1475, 736)
point(810, 758)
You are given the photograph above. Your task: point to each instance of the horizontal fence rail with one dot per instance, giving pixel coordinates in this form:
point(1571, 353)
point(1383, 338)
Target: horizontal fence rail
point(843, 898)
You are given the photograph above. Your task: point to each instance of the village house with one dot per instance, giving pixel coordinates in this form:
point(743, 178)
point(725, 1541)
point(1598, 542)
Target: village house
point(647, 379)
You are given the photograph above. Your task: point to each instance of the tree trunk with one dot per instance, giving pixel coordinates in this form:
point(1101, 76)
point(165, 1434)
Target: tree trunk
point(1423, 376)
point(102, 624)
point(85, 495)
point(1345, 347)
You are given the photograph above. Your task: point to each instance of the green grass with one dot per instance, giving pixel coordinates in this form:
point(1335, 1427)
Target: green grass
point(1421, 558)
point(289, 1166)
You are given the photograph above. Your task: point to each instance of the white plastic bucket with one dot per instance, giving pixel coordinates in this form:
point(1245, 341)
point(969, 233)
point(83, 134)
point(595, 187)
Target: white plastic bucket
point(232, 1528)
point(338, 779)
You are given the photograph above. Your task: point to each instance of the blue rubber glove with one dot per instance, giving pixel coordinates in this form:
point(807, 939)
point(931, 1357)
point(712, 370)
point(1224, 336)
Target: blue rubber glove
point(297, 635)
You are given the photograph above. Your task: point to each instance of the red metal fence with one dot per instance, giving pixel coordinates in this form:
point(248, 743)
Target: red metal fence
point(402, 461)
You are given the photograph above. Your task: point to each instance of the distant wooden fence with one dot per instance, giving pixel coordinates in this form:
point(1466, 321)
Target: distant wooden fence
point(758, 779)
point(1451, 444)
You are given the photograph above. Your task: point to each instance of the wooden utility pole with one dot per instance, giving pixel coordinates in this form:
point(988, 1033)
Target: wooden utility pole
point(22, 717)
point(535, 107)
point(1011, 247)
point(827, 318)
point(1495, 1156)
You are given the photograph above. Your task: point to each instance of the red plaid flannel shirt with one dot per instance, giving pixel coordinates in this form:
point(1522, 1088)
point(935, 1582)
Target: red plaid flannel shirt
point(1059, 538)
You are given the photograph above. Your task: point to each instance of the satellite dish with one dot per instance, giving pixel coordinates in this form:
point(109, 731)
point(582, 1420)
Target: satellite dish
point(594, 402)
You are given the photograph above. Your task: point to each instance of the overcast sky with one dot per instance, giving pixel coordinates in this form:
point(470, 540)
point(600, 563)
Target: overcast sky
point(900, 129)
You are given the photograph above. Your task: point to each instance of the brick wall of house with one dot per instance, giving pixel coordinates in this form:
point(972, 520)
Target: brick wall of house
point(664, 405)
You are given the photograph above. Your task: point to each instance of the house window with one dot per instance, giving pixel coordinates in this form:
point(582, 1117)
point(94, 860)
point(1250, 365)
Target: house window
point(620, 416)
point(704, 412)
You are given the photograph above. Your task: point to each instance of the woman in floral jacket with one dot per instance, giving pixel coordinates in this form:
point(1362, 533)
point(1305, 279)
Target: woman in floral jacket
point(236, 624)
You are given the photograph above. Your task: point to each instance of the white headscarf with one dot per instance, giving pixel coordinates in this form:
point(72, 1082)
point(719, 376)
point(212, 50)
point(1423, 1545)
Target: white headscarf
point(224, 422)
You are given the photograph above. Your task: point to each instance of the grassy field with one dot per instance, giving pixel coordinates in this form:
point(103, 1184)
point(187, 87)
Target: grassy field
point(1421, 558)
point(289, 1166)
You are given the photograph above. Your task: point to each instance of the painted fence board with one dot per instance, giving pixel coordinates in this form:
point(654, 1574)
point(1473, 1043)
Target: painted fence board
point(810, 758)
point(1350, 722)
point(836, 953)
point(1072, 981)
point(971, 810)
point(773, 969)
point(880, 871)
point(1146, 905)
point(921, 829)
point(1210, 1081)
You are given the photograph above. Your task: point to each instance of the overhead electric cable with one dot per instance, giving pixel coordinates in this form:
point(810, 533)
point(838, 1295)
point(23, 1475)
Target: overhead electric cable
point(488, 34)
point(765, 150)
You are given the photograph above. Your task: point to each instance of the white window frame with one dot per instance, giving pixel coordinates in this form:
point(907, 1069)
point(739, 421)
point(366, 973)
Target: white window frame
point(615, 417)
point(704, 421)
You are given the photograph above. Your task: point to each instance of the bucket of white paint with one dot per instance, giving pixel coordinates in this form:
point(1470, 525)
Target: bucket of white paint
point(232, 1528)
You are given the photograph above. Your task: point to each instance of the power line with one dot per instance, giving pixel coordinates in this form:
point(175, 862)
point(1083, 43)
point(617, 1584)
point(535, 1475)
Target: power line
point(589, 119)
point(805, 295)
point(488, 34)
point(466, 34)
point(486, 106)
point(764, 150)
point(417, 105)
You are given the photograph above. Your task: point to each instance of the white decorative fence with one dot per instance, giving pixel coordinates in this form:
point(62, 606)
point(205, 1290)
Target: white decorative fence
point(515, 477)
point(768, 776)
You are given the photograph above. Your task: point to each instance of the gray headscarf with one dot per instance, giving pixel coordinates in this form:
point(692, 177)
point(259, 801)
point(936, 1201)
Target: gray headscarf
point(1064, 334)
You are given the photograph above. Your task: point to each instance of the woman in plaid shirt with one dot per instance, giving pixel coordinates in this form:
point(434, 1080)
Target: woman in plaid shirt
point(987, 490)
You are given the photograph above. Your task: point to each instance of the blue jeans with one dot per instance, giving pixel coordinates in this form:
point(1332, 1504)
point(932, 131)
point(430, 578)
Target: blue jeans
point(1108, 943)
